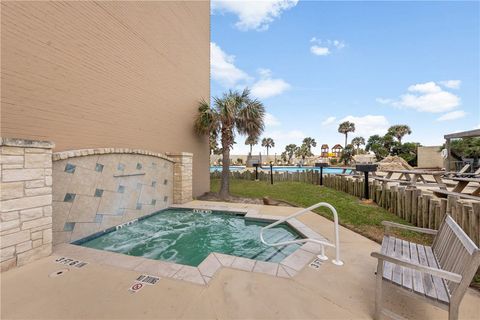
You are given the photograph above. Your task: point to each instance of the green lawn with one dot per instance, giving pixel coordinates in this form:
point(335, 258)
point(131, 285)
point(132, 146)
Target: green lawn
point(364, 219)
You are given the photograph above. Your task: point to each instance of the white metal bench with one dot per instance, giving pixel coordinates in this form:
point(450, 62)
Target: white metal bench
point(439, 274)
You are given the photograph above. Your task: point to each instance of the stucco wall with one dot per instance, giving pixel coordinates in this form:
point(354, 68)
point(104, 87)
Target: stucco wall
point(430, 157)
point(107, 74)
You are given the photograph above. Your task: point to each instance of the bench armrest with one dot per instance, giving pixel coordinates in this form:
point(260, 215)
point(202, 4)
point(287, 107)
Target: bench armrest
point(389, 225)
point(412, 265)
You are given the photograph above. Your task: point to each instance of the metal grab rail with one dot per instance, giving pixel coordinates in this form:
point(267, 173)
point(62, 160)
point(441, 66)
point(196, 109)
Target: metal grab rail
point(321, 256)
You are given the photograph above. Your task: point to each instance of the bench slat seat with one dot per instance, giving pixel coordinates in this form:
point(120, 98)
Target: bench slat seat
point(439, 274)
point(410, 279)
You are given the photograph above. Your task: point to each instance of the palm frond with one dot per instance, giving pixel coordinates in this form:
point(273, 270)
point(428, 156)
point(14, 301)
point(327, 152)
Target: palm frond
point(250, 119)
point(206, 120)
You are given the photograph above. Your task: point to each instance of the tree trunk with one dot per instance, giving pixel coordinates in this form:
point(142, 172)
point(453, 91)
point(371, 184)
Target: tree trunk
point(225, 182)
point(346, 135)
point(251, 149)
point(267, 153)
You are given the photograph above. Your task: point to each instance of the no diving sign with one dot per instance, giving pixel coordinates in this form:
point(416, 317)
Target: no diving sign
point(141, 281)
point(135, 287)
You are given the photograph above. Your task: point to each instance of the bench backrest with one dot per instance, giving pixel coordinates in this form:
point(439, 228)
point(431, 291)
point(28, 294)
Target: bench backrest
point(456, 253)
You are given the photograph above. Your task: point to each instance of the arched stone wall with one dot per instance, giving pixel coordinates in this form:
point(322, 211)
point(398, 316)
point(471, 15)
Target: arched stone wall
point(96, 189)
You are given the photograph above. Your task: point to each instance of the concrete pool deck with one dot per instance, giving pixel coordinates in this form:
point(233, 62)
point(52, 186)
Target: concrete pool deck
point(330, 292)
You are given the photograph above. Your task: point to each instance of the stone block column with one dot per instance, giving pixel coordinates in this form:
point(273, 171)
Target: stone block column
point(25, 201)
point(182, 177)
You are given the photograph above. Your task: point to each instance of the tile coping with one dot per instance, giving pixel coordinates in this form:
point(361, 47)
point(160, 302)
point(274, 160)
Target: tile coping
point(207, 269)
point(26, 143)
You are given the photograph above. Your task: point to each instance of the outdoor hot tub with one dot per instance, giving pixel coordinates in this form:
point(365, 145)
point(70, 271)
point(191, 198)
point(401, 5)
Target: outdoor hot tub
point(188, 236)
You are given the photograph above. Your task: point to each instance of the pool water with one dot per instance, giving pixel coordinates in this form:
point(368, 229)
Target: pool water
point(186, 237)
point(328, 170)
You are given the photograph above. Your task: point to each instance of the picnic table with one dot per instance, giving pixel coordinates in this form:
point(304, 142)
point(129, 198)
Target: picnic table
point(459, 188)
point(346, 171)
point(463, 182)
point(462, 173)
point(412, 177)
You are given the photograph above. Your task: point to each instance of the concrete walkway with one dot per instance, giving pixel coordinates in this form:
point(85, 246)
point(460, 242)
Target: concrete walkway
point(101, 292)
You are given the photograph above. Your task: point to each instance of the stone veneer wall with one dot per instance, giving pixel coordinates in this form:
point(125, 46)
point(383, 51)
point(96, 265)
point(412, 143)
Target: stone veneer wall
point(25, 201)
point(183, 169)
point(96, 189)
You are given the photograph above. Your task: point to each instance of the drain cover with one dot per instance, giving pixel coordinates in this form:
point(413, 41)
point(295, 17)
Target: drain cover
point(58, 273)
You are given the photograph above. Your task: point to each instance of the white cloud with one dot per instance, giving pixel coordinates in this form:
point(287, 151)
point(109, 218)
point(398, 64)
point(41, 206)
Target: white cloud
point(280, 137)
point(319, 51)
point(452, 115)
point(283, 138)
point(270, 120)
point(425, 97)
point(268, 87)
point(427, 87)
point(368, 125)
point(329, 121)
point(452, 84)
point(384, 101)
point(338, 44)
point(225, 72)
point(254, 15)
point(265, 73)
point(324, 47)
point(223, 68)
point(293, 136)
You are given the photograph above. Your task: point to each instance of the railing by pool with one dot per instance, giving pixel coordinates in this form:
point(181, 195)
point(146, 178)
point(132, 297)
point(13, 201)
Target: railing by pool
point(322, 243)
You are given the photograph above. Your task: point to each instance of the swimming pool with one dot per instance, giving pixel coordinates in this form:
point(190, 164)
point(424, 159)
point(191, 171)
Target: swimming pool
point(328, 170)
point(186, 236)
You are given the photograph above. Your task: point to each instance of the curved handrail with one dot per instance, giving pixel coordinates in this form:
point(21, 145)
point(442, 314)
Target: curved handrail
point(337, 260)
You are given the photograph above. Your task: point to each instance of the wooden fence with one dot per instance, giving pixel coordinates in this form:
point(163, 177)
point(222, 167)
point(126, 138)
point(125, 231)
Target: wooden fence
point(309, 176)
point(416, 206)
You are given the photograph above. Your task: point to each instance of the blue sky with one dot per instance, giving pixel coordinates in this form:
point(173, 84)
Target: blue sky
point(315, 63)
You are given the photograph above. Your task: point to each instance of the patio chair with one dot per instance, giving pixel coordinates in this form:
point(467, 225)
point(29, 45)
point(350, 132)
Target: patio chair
point(439, 275)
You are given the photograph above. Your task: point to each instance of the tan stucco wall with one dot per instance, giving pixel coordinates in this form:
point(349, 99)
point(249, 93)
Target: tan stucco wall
point(430, 157)
point(107, 74)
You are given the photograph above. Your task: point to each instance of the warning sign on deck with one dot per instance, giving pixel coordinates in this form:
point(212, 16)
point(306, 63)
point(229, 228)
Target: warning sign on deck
point(71, 262)
point(135, 287)
point(315, 264)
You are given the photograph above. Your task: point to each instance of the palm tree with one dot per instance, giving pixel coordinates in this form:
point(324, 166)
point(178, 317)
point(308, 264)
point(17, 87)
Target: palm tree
point(214, 149)
point(309, 143)
point(290, 151)
point(234, 111)
point(399, 130)
point(345, 128)
point(251, 141)
point(357, 142)
point(303, 152)
point(268, 143)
